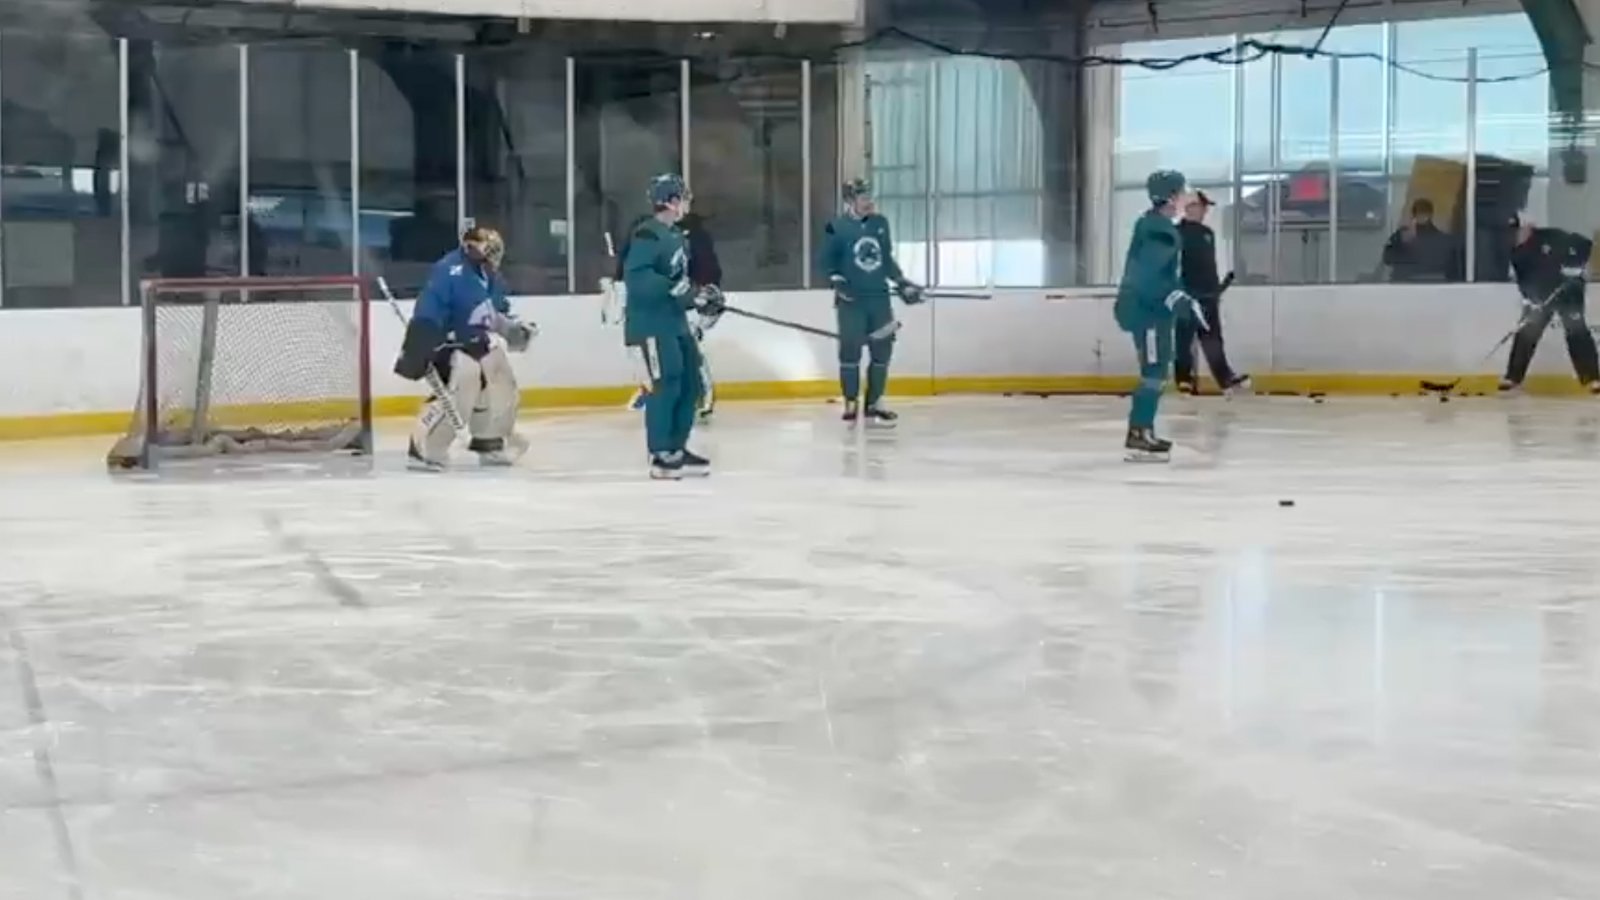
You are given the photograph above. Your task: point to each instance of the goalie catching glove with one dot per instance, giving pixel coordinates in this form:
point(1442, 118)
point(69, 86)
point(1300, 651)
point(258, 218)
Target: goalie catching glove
point(517, 333)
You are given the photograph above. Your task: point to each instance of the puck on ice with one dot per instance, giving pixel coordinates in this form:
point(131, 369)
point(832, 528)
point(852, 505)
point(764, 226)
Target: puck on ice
point(1285, 502)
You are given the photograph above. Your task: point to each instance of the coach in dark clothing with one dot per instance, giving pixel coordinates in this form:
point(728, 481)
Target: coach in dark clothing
point(1419, 251)
point(704, 267)
point(1551, 268)
point(1200, 281)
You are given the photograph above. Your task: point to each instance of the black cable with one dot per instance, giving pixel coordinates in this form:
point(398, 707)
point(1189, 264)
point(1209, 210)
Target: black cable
point(1317, 47)
point(1243, 53)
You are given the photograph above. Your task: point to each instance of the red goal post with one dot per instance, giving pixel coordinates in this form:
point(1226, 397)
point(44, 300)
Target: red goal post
point(250, 365)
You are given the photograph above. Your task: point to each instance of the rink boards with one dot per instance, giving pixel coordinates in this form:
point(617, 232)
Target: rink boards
point(76, 371)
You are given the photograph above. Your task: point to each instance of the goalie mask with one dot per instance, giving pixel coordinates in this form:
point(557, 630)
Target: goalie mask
point(484, 245)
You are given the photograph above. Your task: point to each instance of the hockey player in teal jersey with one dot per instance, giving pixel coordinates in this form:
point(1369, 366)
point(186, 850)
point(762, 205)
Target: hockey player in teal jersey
point(655, 271)
point(1149, 299)
point(857, 257)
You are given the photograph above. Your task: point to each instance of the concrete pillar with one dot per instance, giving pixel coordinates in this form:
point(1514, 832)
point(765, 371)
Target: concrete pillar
point(1573, 201)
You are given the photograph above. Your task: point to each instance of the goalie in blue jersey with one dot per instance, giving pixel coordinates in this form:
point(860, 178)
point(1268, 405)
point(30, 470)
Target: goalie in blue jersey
point(1149, 301)
point(461, 328)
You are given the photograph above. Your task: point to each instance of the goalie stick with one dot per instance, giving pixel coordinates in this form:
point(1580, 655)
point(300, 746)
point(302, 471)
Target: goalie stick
point(432, 379)
point(608, 287)
point(1445, 387)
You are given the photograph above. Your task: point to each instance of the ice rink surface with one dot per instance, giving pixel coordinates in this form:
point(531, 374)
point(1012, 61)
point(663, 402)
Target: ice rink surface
point(979, 656)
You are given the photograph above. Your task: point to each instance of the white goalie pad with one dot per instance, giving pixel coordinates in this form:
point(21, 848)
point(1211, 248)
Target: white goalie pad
point(486, 393)
point(496, 412)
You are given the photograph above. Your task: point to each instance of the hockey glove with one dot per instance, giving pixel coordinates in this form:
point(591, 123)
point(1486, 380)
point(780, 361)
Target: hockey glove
point(683, 292)
point(841, 293)
point(710, 302)
point(518, 334)
point(910, 293)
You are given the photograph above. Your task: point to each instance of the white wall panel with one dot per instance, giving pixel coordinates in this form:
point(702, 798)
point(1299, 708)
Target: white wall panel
point(92, 362)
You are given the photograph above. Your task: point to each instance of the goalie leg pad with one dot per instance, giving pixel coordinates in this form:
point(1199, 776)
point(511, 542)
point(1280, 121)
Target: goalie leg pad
point(500, 398)
point(434, 432)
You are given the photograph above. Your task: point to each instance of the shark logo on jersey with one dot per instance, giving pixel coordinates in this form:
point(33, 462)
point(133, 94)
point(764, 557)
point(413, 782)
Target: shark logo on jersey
point(868, 254)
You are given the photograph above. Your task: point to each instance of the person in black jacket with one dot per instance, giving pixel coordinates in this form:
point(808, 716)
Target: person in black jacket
point(1550, 266)
point(1420, 251)
point(705, 271)
point(1199, 274)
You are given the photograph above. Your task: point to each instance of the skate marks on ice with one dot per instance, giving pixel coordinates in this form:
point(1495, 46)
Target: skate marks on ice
point(982, 670)
point(39, 731)
point(339, 589)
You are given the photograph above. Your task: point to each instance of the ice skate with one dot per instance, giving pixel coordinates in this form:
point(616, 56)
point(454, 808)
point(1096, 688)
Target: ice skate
point(1509, 388)
point(1593, 387)
point(666, 466)
point(499, 452)
point(1240, 386)
point(1142, 445)
point(695, 465)
point(416, 462)
point(852, 412)
point(878, 417)
point(1189, 388)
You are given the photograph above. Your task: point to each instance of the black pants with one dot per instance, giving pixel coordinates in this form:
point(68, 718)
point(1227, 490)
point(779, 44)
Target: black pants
point(1211, 343)
point(1580, 343)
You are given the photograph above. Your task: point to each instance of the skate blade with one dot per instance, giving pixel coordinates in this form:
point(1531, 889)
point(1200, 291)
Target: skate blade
point(1146, 456)
point(516, 447)
point(880, 425)
point(695, 472)
point(421, 465)
point(665, 475)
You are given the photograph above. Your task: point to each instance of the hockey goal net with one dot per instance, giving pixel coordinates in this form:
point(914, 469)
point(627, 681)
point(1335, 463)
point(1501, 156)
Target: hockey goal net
point(250, 365)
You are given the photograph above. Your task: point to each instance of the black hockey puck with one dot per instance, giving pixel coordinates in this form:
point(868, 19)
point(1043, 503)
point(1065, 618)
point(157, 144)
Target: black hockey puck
point(1285, 502)
point(1444, 398)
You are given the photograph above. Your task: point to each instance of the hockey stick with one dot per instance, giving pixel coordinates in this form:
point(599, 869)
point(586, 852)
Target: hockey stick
point(782, 323)
point(431, 378)
point(1445, 387)
point(955, 295)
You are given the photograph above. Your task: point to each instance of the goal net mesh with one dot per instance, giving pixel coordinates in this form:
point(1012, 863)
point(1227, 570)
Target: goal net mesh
point(250, 366)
